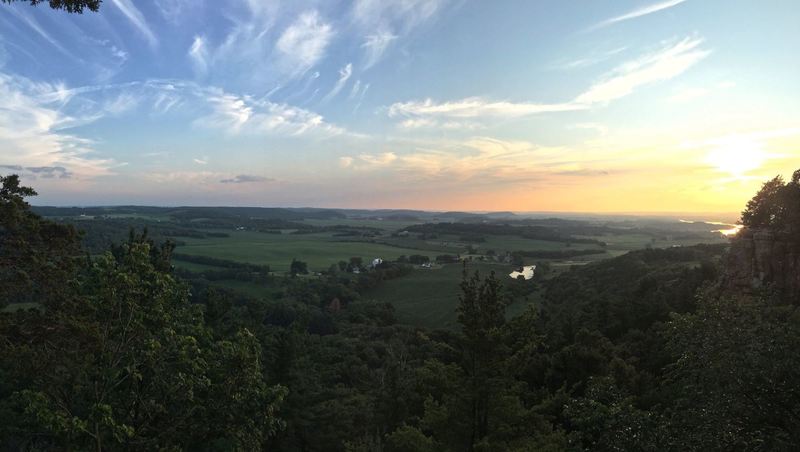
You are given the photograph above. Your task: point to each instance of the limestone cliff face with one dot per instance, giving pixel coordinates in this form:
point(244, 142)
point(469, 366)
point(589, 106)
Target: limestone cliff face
point(758, 257)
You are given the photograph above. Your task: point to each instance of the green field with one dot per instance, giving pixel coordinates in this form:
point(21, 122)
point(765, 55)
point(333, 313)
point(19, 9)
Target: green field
point(426, 297)
point(618, 244)
point(320, 250)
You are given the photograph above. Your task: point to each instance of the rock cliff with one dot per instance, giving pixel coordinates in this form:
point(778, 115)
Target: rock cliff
point(760, 257)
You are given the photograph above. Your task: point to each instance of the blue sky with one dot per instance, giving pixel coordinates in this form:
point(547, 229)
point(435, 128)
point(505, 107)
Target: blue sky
point(640, 105)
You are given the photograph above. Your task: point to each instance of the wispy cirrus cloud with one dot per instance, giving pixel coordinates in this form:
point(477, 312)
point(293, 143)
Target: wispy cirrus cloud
point(213, 107)
point(246, 179)
point(663, 64)
point(666, 63)
point(403, 16)
point(383, 22)
point(37, 27)
point(473, 107)
point(174, 10)
point(639, 12)
point(34, 126)
point(198, 53)
point(37, 118)
point(137, 19)
point(243, 114)
point(375, 45)
point(478, 159)
point(595, 58)
point(245, 51)
point(358, 91)
point(344, 76)
point(303, 43)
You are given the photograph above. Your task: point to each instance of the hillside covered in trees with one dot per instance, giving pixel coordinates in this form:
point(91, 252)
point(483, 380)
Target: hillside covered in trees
point(640, 352)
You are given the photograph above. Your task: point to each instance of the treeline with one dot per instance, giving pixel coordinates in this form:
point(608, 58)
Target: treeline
point(98, 234)
point(555, 254)
point(482, 229)
point(114, 356)
point(342, 231)
point(383, 272)
point(776, 206)
point(222, 263)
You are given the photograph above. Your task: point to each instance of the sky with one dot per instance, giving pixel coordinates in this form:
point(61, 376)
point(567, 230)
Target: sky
point(601, 106)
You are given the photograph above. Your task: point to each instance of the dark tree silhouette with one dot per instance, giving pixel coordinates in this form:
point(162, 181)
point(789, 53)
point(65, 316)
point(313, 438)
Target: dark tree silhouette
point(70, 6)
point(298, 267)
point(775, 206)
point(37, 257)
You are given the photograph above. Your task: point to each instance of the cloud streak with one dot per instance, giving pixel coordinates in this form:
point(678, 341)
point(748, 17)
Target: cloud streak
point(242, 114)
point(383, 22)
point(246, 179)
point(198, 53)
point(474, 107)
point(304, 42)
point(344, 76)
point(663, 64)
point(644, 11)
point(375, 45)
point(137, 19)
point(483, 160)
point(35, 26)
point(33, 131)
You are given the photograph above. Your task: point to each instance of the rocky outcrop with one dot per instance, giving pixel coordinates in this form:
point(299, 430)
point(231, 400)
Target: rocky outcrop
point(761, 257)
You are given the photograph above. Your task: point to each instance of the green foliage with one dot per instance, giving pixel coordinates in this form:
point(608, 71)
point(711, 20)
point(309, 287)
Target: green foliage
point(605, 419)
point(127, 362)
point(38, 259)
point(775, 206)
point(118, 358)
point(737, 375)
point(298, 268)
point(615, 355)
point(409, 439)
point(70, 6)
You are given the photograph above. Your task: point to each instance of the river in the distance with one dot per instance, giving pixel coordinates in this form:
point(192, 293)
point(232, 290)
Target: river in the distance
point(729, 230)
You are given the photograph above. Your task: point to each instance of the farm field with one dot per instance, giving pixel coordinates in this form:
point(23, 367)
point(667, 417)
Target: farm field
point(424, 297)
point(319, 250)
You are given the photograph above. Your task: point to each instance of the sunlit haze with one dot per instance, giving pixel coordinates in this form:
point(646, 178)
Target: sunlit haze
point(601, 106)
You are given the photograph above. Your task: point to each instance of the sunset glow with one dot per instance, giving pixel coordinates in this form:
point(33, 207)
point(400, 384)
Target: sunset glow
point(632, 106)
point(737, 157)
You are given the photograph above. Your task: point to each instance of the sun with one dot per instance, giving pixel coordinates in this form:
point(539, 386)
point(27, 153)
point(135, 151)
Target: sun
point(737, 156)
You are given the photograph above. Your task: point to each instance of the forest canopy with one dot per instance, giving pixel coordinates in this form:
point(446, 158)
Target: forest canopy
point(640, 352)
point(776, 205)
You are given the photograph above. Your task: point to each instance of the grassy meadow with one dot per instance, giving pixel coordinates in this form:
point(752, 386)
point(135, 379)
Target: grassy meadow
point(424, 297)
point(319, 250)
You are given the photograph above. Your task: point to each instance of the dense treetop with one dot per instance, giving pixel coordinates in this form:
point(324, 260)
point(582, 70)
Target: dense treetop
point(70, 6)
point(775, 206)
